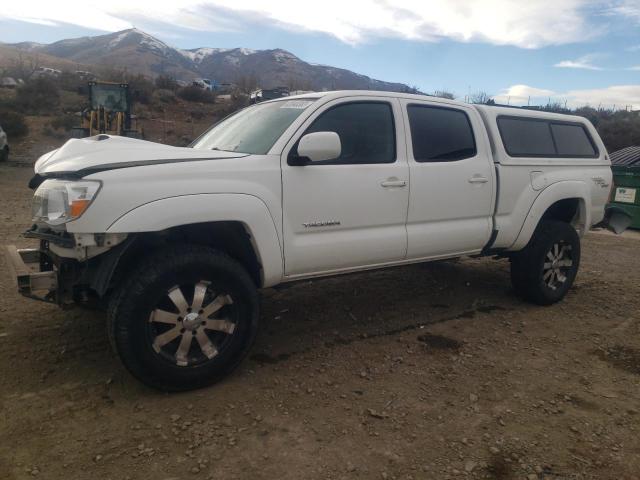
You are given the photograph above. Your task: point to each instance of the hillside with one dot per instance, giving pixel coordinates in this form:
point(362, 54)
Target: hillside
point(139, 52)
point(16, 58)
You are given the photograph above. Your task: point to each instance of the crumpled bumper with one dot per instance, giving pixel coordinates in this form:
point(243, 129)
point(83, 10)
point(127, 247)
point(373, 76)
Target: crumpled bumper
point(26, 268)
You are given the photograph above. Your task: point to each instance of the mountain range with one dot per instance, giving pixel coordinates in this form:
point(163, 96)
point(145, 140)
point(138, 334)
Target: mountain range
point(139, 52)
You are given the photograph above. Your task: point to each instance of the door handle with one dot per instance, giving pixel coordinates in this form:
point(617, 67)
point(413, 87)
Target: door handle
point(478, 179)
point(393, 182)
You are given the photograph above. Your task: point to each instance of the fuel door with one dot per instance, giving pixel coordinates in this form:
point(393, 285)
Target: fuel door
point(538, 180)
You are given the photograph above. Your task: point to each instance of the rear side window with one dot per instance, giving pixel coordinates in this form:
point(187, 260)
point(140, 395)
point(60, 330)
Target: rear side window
point(440, 134)
point(572, 140)
point(366, 131)
point(526, 138)
point(529, 137)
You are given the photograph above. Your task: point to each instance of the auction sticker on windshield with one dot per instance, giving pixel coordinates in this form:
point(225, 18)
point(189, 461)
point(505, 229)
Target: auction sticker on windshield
point(296, 104)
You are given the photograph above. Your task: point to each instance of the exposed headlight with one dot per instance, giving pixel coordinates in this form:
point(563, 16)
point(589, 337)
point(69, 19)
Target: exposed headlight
point(60, 201)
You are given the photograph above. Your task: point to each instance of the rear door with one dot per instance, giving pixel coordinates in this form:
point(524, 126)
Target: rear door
point(351, 211)
point(452, 180)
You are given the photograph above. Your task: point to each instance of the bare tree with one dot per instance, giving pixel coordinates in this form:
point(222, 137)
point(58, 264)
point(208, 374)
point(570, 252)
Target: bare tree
point(247, 83)
point(480, 97)
point(24, 67)
point(444, 94)
point(112, 73)
point(294, 84)
point(410, 89)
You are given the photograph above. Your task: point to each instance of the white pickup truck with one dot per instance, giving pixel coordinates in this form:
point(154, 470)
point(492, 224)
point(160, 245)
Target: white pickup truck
point(4, 146)
point(177, 242)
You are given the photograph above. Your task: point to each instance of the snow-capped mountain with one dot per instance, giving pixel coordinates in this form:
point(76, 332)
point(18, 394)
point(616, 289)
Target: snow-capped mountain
point(138, 51)
point(198, 54)
point(132, 49)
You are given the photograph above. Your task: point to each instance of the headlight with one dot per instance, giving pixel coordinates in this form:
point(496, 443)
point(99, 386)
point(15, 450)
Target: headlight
point(60, 201)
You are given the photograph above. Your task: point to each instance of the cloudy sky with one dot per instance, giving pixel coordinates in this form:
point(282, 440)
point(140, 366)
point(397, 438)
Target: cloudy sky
point(578, 51)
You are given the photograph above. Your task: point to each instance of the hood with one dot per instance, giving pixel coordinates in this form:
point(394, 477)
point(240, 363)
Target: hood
point(84, 156)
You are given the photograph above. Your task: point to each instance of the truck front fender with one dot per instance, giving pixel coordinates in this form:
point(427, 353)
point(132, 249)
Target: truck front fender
point(553, 193)
point(217, 207)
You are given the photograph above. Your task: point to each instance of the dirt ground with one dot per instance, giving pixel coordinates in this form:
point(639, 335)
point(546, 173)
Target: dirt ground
point(423, 372)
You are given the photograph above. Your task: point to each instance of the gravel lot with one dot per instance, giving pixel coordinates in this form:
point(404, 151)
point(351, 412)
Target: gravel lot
point(423, 372)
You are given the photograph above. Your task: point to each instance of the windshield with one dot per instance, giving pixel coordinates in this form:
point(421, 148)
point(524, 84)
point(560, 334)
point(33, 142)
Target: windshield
point(111, 97)
point(254, 129)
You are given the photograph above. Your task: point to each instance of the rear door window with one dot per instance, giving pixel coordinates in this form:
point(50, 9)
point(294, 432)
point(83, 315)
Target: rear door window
point(440, 134)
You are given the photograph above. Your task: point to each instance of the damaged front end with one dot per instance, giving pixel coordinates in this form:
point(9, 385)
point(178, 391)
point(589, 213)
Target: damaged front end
point(33, 273)
point(67, 268)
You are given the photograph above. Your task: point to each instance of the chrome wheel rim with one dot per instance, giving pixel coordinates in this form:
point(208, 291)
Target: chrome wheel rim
point(192, 330)
point(557, 264)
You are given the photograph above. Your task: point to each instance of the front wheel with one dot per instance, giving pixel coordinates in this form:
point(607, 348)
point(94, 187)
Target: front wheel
point(185, 319)
point(544, 271)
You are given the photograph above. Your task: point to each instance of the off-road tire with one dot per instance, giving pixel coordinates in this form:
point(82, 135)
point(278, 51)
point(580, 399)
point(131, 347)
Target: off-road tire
point(528, 265)
point(4, 154)
point(130, 309)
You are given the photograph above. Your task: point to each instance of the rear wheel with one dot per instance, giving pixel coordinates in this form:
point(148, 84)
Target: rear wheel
point(185, 319)
point(544, 271)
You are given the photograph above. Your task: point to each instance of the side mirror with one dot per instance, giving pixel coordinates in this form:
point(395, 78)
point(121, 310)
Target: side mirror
point(319, 146)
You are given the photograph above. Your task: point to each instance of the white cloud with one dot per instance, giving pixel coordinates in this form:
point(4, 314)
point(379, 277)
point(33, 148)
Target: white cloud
point(585, 62)
point(523, 94)
point(529, 24)
point(576, 64)
point(86, 14)
point(40, 21)
point(618, 95)
point(627, 8)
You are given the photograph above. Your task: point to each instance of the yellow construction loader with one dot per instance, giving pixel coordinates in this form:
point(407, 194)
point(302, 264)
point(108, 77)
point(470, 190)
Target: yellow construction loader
point(109, 112)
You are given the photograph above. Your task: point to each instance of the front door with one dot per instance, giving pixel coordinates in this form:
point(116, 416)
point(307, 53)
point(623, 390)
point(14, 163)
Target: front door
point(351, 211)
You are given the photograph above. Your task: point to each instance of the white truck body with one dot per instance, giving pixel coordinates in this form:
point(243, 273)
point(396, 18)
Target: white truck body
point(300, 187)
point(443, 209)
